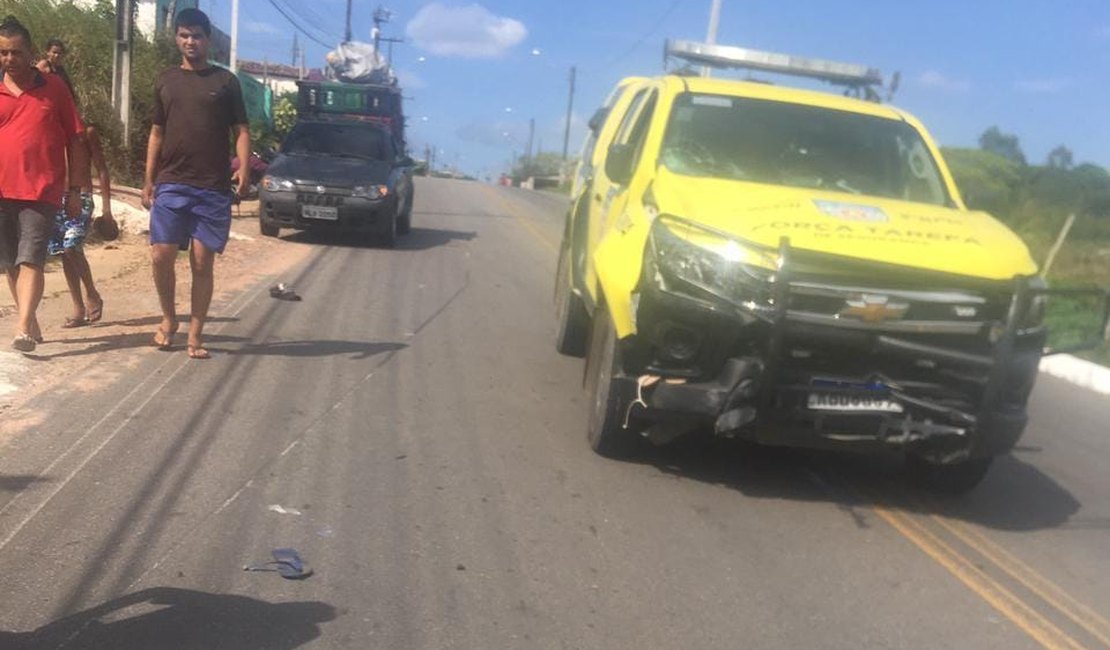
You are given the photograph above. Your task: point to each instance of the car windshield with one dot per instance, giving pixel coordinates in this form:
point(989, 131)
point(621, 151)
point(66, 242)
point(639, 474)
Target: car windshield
point(800, 146)
point(330, 139)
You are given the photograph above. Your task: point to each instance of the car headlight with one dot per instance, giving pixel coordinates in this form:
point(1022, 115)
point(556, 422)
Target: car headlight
point(370, 191)
point(276, 184)
point(683, 255)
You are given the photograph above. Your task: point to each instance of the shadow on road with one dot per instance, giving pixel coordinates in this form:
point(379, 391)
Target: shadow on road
point(356, 349)
point(167, 617)
point(17, 482)
point(419, 239)
point(156, 320)
point(1014, 496)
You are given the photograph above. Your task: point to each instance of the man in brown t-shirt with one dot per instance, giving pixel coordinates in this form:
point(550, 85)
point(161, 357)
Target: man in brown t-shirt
point(188, 171)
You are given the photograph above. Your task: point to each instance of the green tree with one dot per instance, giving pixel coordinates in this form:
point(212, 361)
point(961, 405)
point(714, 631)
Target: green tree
point(1002, 144)
point(285, 114)
point(543, 164)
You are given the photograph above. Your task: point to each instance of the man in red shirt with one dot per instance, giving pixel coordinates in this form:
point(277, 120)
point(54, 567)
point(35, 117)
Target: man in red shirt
point(40, 131)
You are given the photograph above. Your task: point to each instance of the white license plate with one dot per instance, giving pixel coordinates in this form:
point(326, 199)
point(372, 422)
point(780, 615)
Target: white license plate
point(319, 212)
point(852, 403)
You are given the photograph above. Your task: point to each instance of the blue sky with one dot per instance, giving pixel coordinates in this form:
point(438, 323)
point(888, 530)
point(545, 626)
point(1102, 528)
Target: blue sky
point(1037, 68)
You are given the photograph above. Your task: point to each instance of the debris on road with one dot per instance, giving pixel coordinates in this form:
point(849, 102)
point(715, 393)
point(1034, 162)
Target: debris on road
point(287, 562)
point(282, 510)
point(282, 291)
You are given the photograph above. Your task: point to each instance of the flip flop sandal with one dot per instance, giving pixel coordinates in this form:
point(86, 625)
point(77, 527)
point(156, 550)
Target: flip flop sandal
point(198, 352)
point(95, 314)
point(24, 343)
point(75, 322)
point(163, 340)
point(287, 563)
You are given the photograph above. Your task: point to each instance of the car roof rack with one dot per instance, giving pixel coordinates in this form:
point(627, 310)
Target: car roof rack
point(857, 77)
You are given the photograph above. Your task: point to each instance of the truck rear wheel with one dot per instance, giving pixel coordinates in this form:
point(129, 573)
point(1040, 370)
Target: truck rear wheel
point(953, 479)
point(605, 429)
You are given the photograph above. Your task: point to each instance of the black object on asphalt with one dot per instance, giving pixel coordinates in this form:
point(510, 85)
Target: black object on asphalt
point(282, 291)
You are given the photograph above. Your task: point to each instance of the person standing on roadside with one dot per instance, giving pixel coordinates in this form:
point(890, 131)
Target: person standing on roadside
point(69, 234)
point(68, 238)
point(196, 107)
point(51, 63)
point(41, 144)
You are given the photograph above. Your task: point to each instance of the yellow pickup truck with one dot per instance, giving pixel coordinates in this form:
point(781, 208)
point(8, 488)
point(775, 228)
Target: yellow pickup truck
point(791, 267)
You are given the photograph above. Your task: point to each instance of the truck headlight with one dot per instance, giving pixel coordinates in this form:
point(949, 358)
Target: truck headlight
point(370, 191)
point(1033, 314)
point(276, 184)
point(684, 255)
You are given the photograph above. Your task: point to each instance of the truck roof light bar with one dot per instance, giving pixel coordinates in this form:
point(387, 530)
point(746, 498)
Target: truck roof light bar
point(727, 56)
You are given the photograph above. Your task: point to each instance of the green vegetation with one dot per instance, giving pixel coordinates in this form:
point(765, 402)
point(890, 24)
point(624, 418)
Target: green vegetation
point(89, 35)
point(1035, 201)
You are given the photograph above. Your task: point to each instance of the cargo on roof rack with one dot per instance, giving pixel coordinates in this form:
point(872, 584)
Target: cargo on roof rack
point(727, 56)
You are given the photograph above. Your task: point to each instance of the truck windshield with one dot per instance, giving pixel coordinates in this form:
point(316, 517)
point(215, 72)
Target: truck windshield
point(334, 139)
point(800, 146)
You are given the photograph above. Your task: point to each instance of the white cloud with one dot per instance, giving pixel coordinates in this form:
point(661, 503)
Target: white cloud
point(410, 81)
point(938, 81)
point(258, 27)
point(468, 31)
point(1042, 86)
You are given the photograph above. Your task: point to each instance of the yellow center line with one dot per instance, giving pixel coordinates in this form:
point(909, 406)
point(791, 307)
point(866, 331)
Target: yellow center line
point(1080, 614)
point(527, 223)
point(1003, 600)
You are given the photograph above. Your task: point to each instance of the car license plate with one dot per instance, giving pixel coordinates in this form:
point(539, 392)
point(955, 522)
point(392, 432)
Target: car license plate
point(320, 212)
point(852, 403)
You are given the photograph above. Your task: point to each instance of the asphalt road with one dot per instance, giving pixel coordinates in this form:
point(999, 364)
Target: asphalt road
point(409, 429)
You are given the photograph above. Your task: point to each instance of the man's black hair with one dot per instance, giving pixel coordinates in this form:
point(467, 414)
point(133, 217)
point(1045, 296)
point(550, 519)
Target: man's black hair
point(55, 42)
point(11, 26)
point(192, 18)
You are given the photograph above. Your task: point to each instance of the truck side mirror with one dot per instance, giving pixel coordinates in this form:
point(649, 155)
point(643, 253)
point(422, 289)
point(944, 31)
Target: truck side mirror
point(598, 119)
point(618, 163)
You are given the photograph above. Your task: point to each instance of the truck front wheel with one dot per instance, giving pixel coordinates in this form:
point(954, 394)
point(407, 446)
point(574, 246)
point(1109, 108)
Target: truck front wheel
point(605, 430)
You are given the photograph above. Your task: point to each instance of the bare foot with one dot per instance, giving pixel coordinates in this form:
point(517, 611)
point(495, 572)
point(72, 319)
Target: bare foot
point(198, 352)
point(96, 309)
point(163, 337)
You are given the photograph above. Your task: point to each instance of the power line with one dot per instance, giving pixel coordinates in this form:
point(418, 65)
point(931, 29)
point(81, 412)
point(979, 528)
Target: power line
point(285, 12)
point(648, 34)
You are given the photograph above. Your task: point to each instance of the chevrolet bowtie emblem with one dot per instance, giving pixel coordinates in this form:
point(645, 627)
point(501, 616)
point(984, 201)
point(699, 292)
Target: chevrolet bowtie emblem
point(871, 308)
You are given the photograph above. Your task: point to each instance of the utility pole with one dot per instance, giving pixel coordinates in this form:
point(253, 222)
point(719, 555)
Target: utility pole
point(347, 34)
point(121, 67)
point(570, 109)
point(711, 33)
point(531, 136)
point(234, 58)
point(295, 46)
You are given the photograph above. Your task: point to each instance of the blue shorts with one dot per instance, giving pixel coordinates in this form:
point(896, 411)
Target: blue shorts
point(182, 213)
point(70, 233)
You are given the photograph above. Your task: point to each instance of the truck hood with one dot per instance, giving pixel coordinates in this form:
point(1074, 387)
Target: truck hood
point(903, 233)
point(329, 170)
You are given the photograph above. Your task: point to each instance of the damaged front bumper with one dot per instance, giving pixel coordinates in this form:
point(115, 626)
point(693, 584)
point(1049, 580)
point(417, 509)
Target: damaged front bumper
point(781, 369)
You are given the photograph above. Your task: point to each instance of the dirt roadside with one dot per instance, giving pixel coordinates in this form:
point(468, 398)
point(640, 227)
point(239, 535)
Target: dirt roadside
point(88, 357)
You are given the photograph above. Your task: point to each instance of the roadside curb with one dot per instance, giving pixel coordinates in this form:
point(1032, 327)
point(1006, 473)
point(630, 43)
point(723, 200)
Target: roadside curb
point(1080, 372)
